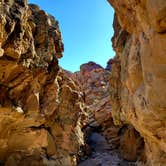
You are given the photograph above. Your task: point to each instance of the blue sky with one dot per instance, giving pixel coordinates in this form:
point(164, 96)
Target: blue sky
point(86, 27)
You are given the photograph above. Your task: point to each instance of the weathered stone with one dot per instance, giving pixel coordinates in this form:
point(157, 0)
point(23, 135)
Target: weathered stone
point(138, 74)
point(94, 82)
point(41, 109)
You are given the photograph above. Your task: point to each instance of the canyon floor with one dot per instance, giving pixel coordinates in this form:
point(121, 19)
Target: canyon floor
point(102, 150)
point(102, 154)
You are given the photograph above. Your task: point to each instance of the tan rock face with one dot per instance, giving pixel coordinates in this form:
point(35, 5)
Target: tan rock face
point(94, 82)
point(41, 109)
point(138, 77)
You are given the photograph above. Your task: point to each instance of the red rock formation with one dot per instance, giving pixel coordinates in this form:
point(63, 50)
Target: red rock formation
point(41, 110)
point(138, 77)
point(94, 81)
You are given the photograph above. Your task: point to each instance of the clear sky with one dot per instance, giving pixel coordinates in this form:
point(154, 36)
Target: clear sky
point(86, 27)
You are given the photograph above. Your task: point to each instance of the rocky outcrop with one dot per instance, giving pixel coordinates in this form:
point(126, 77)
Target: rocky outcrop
point(41, 109)
point(94, 82)
point(138, 74)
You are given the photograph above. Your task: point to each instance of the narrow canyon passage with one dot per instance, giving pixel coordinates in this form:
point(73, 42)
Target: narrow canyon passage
point(102, 136)
point(93, 117)
point(101, 153)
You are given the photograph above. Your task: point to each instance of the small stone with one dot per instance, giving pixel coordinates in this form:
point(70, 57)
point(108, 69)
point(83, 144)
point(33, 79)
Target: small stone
point(1, 52)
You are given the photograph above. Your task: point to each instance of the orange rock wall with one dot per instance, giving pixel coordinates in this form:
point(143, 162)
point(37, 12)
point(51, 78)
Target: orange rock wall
point(41, 109)
point(94, 82)
point(138, 77)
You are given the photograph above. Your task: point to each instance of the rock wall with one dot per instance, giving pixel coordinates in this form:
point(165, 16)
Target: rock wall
point(94, 82)
point(41, 109)
point(138, 74)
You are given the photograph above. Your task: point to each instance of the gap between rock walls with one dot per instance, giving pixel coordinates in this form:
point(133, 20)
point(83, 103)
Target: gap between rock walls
point(107, 144)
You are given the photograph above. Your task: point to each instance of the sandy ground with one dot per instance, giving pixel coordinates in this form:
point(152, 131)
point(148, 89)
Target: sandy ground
point(102, 155)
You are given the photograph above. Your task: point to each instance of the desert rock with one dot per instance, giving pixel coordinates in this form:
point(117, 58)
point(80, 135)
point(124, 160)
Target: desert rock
point(138, 74)
point(41, 109)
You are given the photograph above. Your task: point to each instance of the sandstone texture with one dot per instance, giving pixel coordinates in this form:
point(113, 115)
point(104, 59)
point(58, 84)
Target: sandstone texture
point(138, 90)
point(41, 109)
point(94, 82)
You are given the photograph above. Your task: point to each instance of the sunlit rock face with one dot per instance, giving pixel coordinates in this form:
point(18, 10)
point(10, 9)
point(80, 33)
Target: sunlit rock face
point(138, 74)
point(94, 82)
point(41, 109)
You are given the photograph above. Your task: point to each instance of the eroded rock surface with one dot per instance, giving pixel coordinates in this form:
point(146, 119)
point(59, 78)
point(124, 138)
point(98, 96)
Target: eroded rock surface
point(94, 82)
point(41, 109)
point(138, 74)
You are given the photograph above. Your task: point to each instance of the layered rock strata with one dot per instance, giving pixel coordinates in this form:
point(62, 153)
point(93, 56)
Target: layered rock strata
point(138, 74)
point(94, 82)
point(41, 109)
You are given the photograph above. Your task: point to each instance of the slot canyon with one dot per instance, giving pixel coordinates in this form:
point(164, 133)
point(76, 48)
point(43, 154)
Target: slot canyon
point(113, 116)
